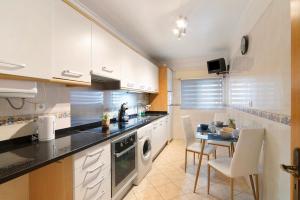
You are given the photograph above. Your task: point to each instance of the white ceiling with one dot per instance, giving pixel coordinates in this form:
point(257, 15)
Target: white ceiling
point(148, 24)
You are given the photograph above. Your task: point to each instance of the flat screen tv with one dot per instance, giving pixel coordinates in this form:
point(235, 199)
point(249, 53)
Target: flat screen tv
point(216, 66)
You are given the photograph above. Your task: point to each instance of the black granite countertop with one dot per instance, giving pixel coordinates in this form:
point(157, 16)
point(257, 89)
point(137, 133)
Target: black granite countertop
point(21, 158)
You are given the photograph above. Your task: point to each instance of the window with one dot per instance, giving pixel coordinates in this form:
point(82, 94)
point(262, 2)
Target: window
point(202, 93)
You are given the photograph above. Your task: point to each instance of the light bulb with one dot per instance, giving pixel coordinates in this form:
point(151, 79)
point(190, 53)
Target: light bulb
point(176, 31)
point(181, 22)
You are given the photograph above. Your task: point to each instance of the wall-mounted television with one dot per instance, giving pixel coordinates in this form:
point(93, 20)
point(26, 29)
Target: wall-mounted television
point(216, 66)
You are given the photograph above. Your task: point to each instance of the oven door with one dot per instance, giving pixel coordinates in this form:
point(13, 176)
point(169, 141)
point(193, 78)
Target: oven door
point(123, 167)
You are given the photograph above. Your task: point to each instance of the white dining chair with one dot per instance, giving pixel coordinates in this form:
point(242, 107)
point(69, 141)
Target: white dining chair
point(193, 145)
point(222, 117)
point(244, 161)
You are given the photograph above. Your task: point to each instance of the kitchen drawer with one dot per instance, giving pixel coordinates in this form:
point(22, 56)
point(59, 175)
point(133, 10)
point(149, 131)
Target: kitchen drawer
point(96, 190)
point(90, 174)
point(92, 156)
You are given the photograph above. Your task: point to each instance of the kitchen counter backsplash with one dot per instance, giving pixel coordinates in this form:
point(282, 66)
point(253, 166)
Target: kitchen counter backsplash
point(88, 106)
point(71, 106)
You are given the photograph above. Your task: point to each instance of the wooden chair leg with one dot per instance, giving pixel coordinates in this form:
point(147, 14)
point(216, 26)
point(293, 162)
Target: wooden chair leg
point(207, 157)
point(199, 166)
point(229, 151)
point(252, 186)
point(208, 178)
point(194, 158)
point(256, 186)
point(231, 188)
point(215, 154)
point(185, 160)
point(232, 149)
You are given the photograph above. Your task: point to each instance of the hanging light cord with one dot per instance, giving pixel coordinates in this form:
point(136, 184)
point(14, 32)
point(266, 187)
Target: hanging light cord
point(15, 107)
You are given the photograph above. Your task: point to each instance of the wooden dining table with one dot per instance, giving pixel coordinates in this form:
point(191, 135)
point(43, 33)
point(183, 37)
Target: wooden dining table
point(203, 137)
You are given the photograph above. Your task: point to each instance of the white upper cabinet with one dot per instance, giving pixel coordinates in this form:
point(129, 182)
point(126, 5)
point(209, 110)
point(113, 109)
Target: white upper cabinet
point(138, 73)
point(129, 69)
point(71, 44)
point(25, 38)
point(105, 56)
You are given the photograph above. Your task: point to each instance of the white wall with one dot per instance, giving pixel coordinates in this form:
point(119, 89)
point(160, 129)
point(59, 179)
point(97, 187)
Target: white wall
point(266, 74)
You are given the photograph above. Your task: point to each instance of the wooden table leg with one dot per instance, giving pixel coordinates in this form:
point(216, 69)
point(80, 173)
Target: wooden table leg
point(232, 149)
point(199, 165)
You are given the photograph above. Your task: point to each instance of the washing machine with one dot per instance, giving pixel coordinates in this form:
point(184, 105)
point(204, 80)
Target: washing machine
point(144, 157)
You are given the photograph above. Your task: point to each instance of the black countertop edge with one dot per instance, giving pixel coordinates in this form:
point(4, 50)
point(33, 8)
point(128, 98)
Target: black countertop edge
point(156, 113)
point(60, 134)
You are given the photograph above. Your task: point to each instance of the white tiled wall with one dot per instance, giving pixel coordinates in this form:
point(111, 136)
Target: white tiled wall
point(265, 75)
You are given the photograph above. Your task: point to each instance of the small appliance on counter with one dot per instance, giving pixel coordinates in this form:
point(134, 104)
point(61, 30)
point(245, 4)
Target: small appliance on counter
point(46, 127)
point(123, 116)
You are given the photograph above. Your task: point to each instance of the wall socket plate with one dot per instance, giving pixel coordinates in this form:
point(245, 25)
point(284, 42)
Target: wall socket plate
point(40, 107)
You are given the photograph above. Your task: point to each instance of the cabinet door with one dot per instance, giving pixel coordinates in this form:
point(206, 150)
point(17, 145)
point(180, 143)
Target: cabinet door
point(105, 52)
point(53, 181)
point(72, 44)
point(155, 139)
point(129, 70)
point(25, 38)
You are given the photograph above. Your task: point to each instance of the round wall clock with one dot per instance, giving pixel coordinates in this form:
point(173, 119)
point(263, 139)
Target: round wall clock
point(244, 44)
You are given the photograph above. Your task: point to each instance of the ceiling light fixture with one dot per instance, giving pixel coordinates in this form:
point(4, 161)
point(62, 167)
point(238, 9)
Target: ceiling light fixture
point(181, 25)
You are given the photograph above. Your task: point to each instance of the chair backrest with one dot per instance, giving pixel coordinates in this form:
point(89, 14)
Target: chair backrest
point(188, 129)
point(246, 156)
point(221, 117)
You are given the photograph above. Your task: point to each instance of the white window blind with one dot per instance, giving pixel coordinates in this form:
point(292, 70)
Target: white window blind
point(202, 93)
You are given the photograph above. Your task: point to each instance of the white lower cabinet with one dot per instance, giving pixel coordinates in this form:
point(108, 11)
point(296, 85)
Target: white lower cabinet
point(92, 173)
point(159, 135)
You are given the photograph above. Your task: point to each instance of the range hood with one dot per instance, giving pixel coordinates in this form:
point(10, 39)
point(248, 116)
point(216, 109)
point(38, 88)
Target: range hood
point(100, 82)
point(18, 89)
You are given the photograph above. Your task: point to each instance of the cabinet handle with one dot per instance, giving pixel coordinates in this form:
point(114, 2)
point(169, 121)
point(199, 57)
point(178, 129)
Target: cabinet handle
point(105, 69)
point(72, 73)
point(96, 153)
point(10, 65)
point(130, 85)
point(93, 186)
point(101, 195)
point(93, 170)
point(99, 153)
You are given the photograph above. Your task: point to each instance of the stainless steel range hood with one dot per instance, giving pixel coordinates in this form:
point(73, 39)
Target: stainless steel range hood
point(100, 82)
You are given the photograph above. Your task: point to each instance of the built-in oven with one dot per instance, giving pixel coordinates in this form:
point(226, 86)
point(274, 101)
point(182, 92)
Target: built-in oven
point(124, 161)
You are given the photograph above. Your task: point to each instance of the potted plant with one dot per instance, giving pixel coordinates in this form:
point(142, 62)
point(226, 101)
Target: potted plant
point(231, 123)
point(105, 120)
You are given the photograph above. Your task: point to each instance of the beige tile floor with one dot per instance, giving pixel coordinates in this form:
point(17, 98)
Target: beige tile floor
point(168, 181)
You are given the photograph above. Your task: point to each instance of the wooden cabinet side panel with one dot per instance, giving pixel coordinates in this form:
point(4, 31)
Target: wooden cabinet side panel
point(159, 102)
point(54, 181)
point(16, 189)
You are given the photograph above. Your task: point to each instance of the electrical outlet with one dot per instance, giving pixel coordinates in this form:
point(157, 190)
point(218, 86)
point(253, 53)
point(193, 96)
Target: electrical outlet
point(40, 107)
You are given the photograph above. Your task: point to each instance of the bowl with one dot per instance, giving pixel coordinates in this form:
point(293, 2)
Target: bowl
point(225, 134)
point(219, 124)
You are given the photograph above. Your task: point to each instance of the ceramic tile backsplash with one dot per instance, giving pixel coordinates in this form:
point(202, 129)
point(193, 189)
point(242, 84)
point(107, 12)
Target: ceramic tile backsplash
point(16, 123)
point(88, 105)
